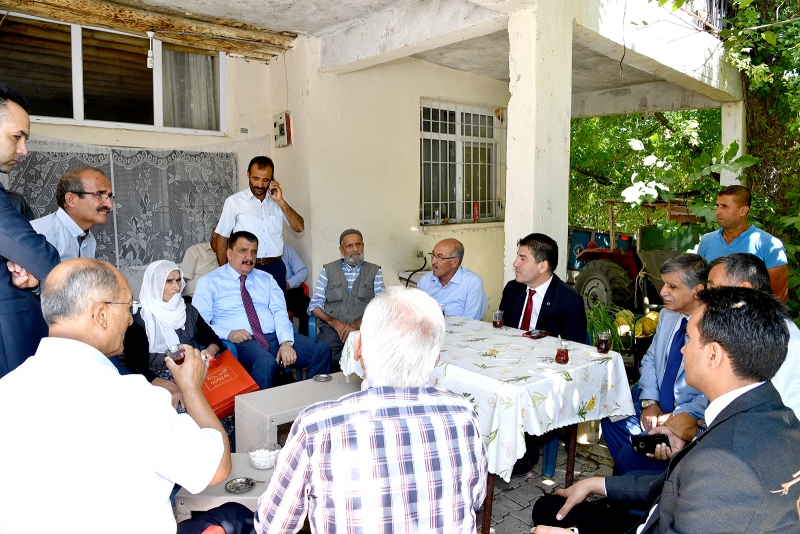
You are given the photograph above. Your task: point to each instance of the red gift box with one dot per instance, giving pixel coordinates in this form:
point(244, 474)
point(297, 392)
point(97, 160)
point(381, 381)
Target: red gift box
point(225, 380)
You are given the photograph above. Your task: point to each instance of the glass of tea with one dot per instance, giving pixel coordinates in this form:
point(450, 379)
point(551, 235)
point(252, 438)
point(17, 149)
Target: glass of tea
point(176, 352)
point(603, 342)
point(562, 355)
point(497, 319)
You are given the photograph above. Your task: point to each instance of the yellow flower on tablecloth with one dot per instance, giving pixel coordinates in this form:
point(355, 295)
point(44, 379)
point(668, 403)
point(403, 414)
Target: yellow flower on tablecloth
point(586, 407)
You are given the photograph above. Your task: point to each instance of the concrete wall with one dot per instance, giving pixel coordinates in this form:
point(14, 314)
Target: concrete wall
point(356, 146)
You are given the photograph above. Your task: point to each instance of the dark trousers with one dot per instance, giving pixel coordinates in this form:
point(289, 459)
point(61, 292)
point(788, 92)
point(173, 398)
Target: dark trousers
point(297, 304)
point(618, 440)
point(234, 518)
point(312, 354)
point(596, 517)
point(329, 335)
point(278, 271)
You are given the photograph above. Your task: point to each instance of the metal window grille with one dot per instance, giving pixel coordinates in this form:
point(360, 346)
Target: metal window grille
point(462, 151)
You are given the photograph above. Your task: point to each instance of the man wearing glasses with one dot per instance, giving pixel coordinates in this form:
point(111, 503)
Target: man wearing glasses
point(344, 288)
point(458, 290)
point(84, 199)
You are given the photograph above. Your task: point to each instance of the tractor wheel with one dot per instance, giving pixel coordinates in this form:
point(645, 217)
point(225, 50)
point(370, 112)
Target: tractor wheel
point(604, 281)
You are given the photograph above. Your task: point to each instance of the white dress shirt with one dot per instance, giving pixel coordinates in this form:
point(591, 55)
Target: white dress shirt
point(538, 299)
point(243, 211)
point(63, 233)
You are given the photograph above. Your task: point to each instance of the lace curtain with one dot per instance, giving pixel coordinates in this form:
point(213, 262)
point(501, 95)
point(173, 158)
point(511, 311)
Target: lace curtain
point(190, 90)
point(165, 199)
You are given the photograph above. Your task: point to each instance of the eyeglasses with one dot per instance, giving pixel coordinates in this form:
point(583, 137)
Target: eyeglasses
point(134, 305)
point(102, 195)
point(440, 257)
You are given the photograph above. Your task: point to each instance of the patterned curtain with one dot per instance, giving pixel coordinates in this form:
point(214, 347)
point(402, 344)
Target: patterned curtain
point(165, 200)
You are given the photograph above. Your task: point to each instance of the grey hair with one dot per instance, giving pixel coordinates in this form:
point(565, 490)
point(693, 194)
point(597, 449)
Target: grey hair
point(744, 267)
point(81, 287)
point(458, 251)
point(401, 334)
point(692, 269)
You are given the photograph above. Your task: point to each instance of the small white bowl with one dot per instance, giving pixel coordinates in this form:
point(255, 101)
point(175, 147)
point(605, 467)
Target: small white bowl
point(263, 455)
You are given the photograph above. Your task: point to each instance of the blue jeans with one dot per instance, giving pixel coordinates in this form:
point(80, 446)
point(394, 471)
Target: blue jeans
point(312, 354)
point(618, 440)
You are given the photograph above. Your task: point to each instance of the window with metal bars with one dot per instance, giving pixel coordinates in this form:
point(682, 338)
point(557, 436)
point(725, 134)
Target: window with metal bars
point(462, 170)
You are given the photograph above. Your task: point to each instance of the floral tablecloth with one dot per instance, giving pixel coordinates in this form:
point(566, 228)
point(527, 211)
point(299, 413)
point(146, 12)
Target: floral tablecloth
point(516, 386)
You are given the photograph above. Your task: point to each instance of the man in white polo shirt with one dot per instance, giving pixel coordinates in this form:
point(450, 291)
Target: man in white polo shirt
point(260, 210)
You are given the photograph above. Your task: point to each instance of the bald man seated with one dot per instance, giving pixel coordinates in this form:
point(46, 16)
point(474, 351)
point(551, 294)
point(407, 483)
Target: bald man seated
point(458, 290)
point(103, 443)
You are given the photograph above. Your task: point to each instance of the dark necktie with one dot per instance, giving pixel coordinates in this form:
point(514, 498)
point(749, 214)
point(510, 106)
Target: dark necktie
point(666, 400)
point(526, 317)
point(252, 316)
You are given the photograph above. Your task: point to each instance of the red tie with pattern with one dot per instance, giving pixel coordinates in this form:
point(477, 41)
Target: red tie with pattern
point(252, 316)
point(526, 317)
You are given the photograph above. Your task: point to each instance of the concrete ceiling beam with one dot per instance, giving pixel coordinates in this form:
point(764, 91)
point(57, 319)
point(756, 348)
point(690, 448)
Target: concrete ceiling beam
point(643, 98)
point(660, 42)
point(408, 29)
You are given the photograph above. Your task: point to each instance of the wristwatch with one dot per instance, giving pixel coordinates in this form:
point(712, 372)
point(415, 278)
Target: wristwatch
point(648, 402)
point(287, 344)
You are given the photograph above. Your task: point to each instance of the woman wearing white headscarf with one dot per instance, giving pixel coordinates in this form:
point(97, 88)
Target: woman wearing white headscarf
point(164, 321)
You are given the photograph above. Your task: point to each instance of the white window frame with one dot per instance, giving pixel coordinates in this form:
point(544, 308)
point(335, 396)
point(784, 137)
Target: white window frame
point(497, 167)
point(76, 31)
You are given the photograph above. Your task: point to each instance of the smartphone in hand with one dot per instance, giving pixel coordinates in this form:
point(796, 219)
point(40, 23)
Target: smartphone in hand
point(646, 443)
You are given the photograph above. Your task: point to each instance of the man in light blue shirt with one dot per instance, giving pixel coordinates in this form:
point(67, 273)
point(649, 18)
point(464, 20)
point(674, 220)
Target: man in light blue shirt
point(296, 299)
point(738, 235)
point(344, 288)
point(456, 288)
point(264, 337)
point(84, 200)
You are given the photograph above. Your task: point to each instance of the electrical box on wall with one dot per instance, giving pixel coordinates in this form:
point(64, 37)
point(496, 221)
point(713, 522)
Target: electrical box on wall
point(282, 129)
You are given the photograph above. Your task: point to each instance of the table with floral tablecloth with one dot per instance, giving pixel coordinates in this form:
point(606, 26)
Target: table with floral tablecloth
point(516, 386)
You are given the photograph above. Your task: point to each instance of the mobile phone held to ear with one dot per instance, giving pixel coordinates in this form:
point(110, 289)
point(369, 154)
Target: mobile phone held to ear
point(271, 188)
point(646, 443)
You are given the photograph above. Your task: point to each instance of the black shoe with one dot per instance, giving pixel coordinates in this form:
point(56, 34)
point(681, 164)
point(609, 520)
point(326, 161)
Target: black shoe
point(525, 464)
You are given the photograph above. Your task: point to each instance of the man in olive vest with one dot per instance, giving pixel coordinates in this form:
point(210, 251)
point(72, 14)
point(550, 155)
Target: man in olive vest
point(344, 288)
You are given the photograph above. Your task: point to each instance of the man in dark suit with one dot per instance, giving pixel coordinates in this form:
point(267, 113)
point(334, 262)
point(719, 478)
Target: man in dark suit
point(28, 256)
point(538, 298)
point(741, 473)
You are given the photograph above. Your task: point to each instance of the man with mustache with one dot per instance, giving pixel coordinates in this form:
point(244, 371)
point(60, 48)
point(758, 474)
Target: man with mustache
point(260, 210)
point(458, 290)
point(344, 288)
point(738, 235)
point(27, 257)
point(84, 199)
point(246, 307)
point(662, 396)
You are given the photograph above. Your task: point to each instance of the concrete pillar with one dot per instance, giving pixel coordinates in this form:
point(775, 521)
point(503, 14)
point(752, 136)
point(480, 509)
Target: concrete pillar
point(733, 128)
point(537, 178)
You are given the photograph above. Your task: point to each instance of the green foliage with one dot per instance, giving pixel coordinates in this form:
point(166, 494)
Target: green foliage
point(600, 318)
point(602, 159)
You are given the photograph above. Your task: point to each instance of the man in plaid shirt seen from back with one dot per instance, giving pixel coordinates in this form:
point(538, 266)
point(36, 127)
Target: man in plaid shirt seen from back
point(397, 457)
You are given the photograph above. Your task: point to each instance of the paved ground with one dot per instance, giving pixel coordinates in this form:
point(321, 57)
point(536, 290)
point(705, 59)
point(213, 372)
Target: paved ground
point(513, 501)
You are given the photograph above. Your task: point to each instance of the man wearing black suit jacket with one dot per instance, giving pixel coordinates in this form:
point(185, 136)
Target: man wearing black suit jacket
point(27, 255)
point(742, 474)
point(540, 296)
point(539, 299)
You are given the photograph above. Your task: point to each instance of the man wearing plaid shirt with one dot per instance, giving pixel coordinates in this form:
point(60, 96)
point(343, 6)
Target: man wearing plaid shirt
point(397, 457)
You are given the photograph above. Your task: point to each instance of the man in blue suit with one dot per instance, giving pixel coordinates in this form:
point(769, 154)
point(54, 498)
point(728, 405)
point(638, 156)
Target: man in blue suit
point(740, 474)
point(27, 255)
point(663, 396)
point(539, 299)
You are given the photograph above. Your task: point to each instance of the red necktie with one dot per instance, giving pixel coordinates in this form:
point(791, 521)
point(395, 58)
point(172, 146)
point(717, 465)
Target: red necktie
point(252, 316)
point(526, 317)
